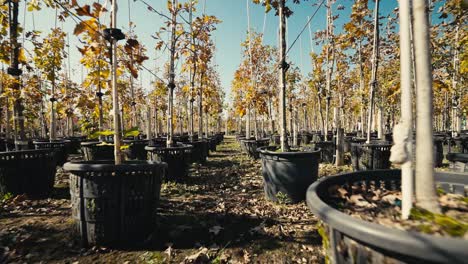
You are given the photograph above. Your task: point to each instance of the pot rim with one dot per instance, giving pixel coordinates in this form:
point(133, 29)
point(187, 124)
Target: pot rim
point(109, 165)
point(265, 151)
point(179, 147)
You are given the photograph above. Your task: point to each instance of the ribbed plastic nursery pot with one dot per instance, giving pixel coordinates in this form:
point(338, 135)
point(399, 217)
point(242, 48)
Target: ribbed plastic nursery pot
point(327, 151)
point(177, 159)
point(28, 171)
point(251, 146)
point(212, 143)
point(438, 151)
point(306, 138)
point(97, 151)
point(200, 148)
point(24, 144)
point(276, 139)
point(317, 137)
point(115, 205)
point(74, 145)
point(136, 149)
point(370, 156)
point(3, 144)
point(61, 148)
point(288, 173)
point(291, 141)
point(461, 143)
point(458, 161)
point(352, 240)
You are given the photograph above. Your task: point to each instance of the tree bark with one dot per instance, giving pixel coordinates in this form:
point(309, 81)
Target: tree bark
point(282, 77)
point(14, 65)
point(425, 186)
point(115, 95)
point(171, 84)
point(375, 65)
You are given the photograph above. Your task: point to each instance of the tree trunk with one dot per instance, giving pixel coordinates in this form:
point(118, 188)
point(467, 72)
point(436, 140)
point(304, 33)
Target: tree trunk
point(15, 71)
point(255, 123)
point(247, 125)
point(282, 78)
point(330, 64)
point(156, 123)
point(115, 95)
point(200, 108)
point(171, 84)
point(193, 73)
point(149, 125)
point(339, 160)
point(425, 186)
point(458, 113)
point(375, 65)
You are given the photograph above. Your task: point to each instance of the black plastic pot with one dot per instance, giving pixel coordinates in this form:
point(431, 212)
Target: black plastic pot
point(75, 144)
point(96, 151)
point(200, 148)
point(24, 145)
point(61, 148)
point(306, 138)
point(438, 152)
point(136, 149)
point(461, 144)
point(288, 173)
point(3, 144)
point(352, 240)
point(212, 143)
point(372, 156)
point(275, 139)
point(327, 151)
point(251, 146)
point(458, 162)
point(177, 159)
point(160, 141)
point(115, 205)
point(291, 141)
point(28, 171)
point(317, 137)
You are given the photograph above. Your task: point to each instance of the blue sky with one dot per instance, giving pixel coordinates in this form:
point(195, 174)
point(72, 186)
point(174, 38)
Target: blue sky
point(228, 37)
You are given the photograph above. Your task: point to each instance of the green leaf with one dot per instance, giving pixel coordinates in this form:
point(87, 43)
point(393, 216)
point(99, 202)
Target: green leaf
point(97, 134)
point(132, 132)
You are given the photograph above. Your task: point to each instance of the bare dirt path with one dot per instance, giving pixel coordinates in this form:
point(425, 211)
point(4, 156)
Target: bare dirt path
point(218, 215)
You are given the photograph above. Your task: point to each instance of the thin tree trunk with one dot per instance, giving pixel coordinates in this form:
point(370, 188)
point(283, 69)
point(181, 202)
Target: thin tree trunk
point(15, 71)
point(375, 65)
point(115, 95)
point(171, 84)
point(282, 77)
point(426, 196)
point(339, 161)
point(149, 125)
point(200, 108)
point(247, 125)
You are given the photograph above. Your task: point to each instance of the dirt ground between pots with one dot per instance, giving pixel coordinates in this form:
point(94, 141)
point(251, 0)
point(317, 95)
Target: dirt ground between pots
point(218, 215)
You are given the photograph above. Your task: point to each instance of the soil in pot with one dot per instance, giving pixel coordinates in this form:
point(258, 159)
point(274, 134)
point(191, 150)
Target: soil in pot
point(286, 175)
point(364, 211)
